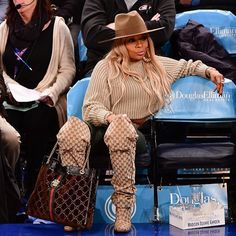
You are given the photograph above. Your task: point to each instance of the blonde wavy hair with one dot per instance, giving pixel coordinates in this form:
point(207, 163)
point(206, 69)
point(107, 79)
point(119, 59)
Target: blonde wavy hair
point(118, 60)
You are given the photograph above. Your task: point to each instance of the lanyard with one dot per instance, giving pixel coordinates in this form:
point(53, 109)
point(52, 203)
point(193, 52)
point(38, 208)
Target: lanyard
point(19, 53)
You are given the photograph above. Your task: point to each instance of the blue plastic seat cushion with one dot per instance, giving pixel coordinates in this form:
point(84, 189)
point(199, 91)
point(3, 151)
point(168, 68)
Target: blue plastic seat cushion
point(198, 153)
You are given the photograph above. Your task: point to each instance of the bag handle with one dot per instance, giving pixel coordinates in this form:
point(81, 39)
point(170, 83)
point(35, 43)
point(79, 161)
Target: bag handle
point(52, 152)
point(86, 161)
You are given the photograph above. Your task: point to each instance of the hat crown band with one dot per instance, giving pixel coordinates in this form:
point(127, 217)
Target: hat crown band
point(130, 25)
point(130, 31)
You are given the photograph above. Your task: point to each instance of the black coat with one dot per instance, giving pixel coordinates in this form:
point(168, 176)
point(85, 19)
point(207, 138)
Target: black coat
point(69, 8)
point(98, 13)
point(10, 192)
point(195, 42)
point(3, 95)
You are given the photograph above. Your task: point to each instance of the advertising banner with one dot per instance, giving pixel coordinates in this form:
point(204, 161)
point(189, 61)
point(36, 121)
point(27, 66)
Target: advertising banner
point(193, 97)
point(142, 210)
point(191, 197)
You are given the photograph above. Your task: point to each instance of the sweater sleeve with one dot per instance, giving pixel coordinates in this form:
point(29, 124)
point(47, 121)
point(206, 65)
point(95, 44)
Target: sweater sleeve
point(64, 64)
point(177, 69)
point(97, 103)
point(3, 90)
point(4, 31)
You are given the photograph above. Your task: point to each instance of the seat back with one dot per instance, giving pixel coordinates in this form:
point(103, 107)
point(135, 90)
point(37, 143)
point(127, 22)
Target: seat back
point(206, 155)
point(222, 24)
point(75, 98)
point(193, 99)
point(208, 120)
point(82, 56)
point(82, 48)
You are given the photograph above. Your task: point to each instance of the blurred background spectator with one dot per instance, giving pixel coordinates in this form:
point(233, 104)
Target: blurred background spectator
point(71, 11)
point(3, 7)
point(36, 52)
point(97, 23)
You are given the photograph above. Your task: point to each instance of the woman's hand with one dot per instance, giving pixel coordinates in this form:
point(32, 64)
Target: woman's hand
point(216, 77)
point(112, 117)
point(111, 26)
point(47, 100)
point(156, 17)
point(11, 100)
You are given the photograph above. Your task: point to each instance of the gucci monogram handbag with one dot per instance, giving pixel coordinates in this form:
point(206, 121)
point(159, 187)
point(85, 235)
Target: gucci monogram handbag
point(64, 194)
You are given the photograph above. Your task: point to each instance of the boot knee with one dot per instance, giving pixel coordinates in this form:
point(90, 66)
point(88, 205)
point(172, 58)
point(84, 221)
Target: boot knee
point(73, 140)
point(120, 134)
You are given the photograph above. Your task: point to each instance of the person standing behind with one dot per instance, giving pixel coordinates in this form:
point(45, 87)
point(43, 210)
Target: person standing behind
point(97, 23)
point(71, 11)
point(36, 52)
point(3, 7)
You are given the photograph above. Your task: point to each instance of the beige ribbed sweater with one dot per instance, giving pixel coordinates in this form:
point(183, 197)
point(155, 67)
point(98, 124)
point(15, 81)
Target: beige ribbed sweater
point(61, 70)
point(99, 99)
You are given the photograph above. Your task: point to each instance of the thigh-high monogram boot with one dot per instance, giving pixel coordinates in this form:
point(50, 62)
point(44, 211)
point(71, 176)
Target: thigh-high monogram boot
point(121, 138)
point(73, 141)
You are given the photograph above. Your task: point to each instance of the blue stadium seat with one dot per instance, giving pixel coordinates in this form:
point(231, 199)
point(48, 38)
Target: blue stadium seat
point(222, 24)
point(208, 152)
point(193, 99)
point(75, 98)
point(82, 48)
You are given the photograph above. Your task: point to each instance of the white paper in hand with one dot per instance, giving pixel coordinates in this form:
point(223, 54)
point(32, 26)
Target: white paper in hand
point(23, 94)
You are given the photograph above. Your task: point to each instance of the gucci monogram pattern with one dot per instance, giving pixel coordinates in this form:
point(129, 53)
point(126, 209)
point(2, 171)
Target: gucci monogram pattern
point(64, 198)
point(121, 138)
point(73, 140)
point(123, 219)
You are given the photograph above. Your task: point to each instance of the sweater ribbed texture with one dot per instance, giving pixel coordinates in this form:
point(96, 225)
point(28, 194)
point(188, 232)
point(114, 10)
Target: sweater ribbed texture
point(100, 100)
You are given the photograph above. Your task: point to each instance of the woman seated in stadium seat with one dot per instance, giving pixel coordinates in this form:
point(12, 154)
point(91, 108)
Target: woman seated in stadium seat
point(126, 88)
point(36, 52)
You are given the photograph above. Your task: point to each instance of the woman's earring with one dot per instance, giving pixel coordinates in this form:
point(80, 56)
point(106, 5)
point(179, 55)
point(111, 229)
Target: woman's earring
point(147, 57)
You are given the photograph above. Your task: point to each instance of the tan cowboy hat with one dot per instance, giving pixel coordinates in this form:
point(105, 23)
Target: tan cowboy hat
point(129, 24)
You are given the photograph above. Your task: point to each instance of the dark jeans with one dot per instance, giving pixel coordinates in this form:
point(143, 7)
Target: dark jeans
point(10, 194)
point(38, 128)
point(99, 155)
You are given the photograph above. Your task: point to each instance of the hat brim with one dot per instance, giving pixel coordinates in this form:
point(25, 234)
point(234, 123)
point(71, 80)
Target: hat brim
point(130, 35)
